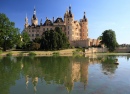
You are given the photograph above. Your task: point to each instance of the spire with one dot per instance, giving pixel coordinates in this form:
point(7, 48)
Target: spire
point(41, 22)
point(26, 19)
point(84, 17)
point(70, 7)
point(26, 15)
point(34, 11)
point(70, 11)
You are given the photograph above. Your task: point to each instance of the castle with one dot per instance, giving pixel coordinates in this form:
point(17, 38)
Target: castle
point(76, 31)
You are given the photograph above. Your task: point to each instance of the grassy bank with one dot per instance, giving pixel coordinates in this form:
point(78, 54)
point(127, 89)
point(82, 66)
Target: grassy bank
point(67, 52)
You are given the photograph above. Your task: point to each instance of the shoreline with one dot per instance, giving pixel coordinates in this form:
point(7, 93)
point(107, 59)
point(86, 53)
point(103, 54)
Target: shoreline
point(67, 52)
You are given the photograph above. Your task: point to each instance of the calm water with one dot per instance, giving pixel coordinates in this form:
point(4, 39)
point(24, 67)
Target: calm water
point(64, 75)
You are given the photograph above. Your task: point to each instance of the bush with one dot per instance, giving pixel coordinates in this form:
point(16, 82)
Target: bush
point(56, 53)
point(9, 54)
point(21, 54)
point(0, 51)
point(31, 54)
point(72, 47)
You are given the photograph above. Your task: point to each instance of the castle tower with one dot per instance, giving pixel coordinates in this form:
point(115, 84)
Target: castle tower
point(34, 18)
point(84, 27)
point(26, 22)
point(68, 19)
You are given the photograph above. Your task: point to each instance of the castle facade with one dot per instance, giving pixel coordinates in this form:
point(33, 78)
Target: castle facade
point(76, 31)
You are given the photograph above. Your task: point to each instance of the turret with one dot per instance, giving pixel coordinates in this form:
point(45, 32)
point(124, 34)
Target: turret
point(84, 17)
point(34, 18)
point(69, 19)
point(26, 21)
point(68, 16)
point(84, 27)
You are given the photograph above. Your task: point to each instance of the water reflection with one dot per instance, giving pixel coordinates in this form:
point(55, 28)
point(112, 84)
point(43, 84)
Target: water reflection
point(51, 70)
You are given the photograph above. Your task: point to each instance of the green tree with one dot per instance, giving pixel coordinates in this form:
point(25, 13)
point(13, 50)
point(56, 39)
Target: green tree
point(109, 40)
point(9, 35)
point(25, 39)
point(54, 40)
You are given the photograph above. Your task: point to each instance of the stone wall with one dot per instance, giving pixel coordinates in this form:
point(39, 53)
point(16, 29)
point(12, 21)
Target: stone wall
point(102, 50)
point(123, 49)
point(79, 43)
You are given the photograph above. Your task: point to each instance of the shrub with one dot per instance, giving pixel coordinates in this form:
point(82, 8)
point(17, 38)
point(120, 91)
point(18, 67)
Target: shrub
point(32, 54)
point(21, 54)
point(56, 53)
point(0, 51)
point(9, 54)
point(72, 47)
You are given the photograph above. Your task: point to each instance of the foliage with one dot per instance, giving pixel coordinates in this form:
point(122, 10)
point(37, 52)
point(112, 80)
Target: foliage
point(32, 54)
point(9, 54)
point(21, 54)
point(54, 40)
point(56, 53)
point(77, 52)
point(35, 46)
point(25, 39)
point(108, 65)
point(9, 35)
point(109, 39)
point(0, 51)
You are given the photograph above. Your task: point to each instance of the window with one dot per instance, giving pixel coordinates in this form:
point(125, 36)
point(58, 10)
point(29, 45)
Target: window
point(68, 32)
point(43, 29)
point(68, 27)
point(50, 28)
point(47, 28)
point(32, 30)
point(68, 19)
point(37, 35)
point(37, 30)
point(32, 35)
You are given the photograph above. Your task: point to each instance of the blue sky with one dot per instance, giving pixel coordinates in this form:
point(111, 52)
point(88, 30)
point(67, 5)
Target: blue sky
point(101, 14)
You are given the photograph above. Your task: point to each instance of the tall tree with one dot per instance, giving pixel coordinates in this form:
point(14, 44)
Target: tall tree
point(54, 40)
point(109, 40)
point(9, 35)
point(25, 39)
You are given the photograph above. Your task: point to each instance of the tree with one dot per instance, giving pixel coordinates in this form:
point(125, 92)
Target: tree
point(54, 40)
point(109, 40)
point(9, 35)
point(25, 39)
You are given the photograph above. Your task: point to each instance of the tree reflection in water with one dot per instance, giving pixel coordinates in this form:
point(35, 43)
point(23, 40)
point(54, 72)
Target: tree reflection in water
point(57, 70)
point(108, 65)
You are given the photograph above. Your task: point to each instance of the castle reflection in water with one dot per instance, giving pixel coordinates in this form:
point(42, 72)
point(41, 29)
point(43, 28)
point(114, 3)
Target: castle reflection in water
point(51, 70)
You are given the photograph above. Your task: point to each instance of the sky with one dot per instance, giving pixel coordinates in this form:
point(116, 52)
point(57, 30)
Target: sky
point(101, 14)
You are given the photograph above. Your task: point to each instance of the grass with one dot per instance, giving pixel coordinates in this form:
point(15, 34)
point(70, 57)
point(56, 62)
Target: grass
point(9, 54)
point(0, 51)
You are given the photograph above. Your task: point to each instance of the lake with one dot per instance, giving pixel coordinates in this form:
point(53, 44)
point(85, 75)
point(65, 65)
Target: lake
point(65, 75)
